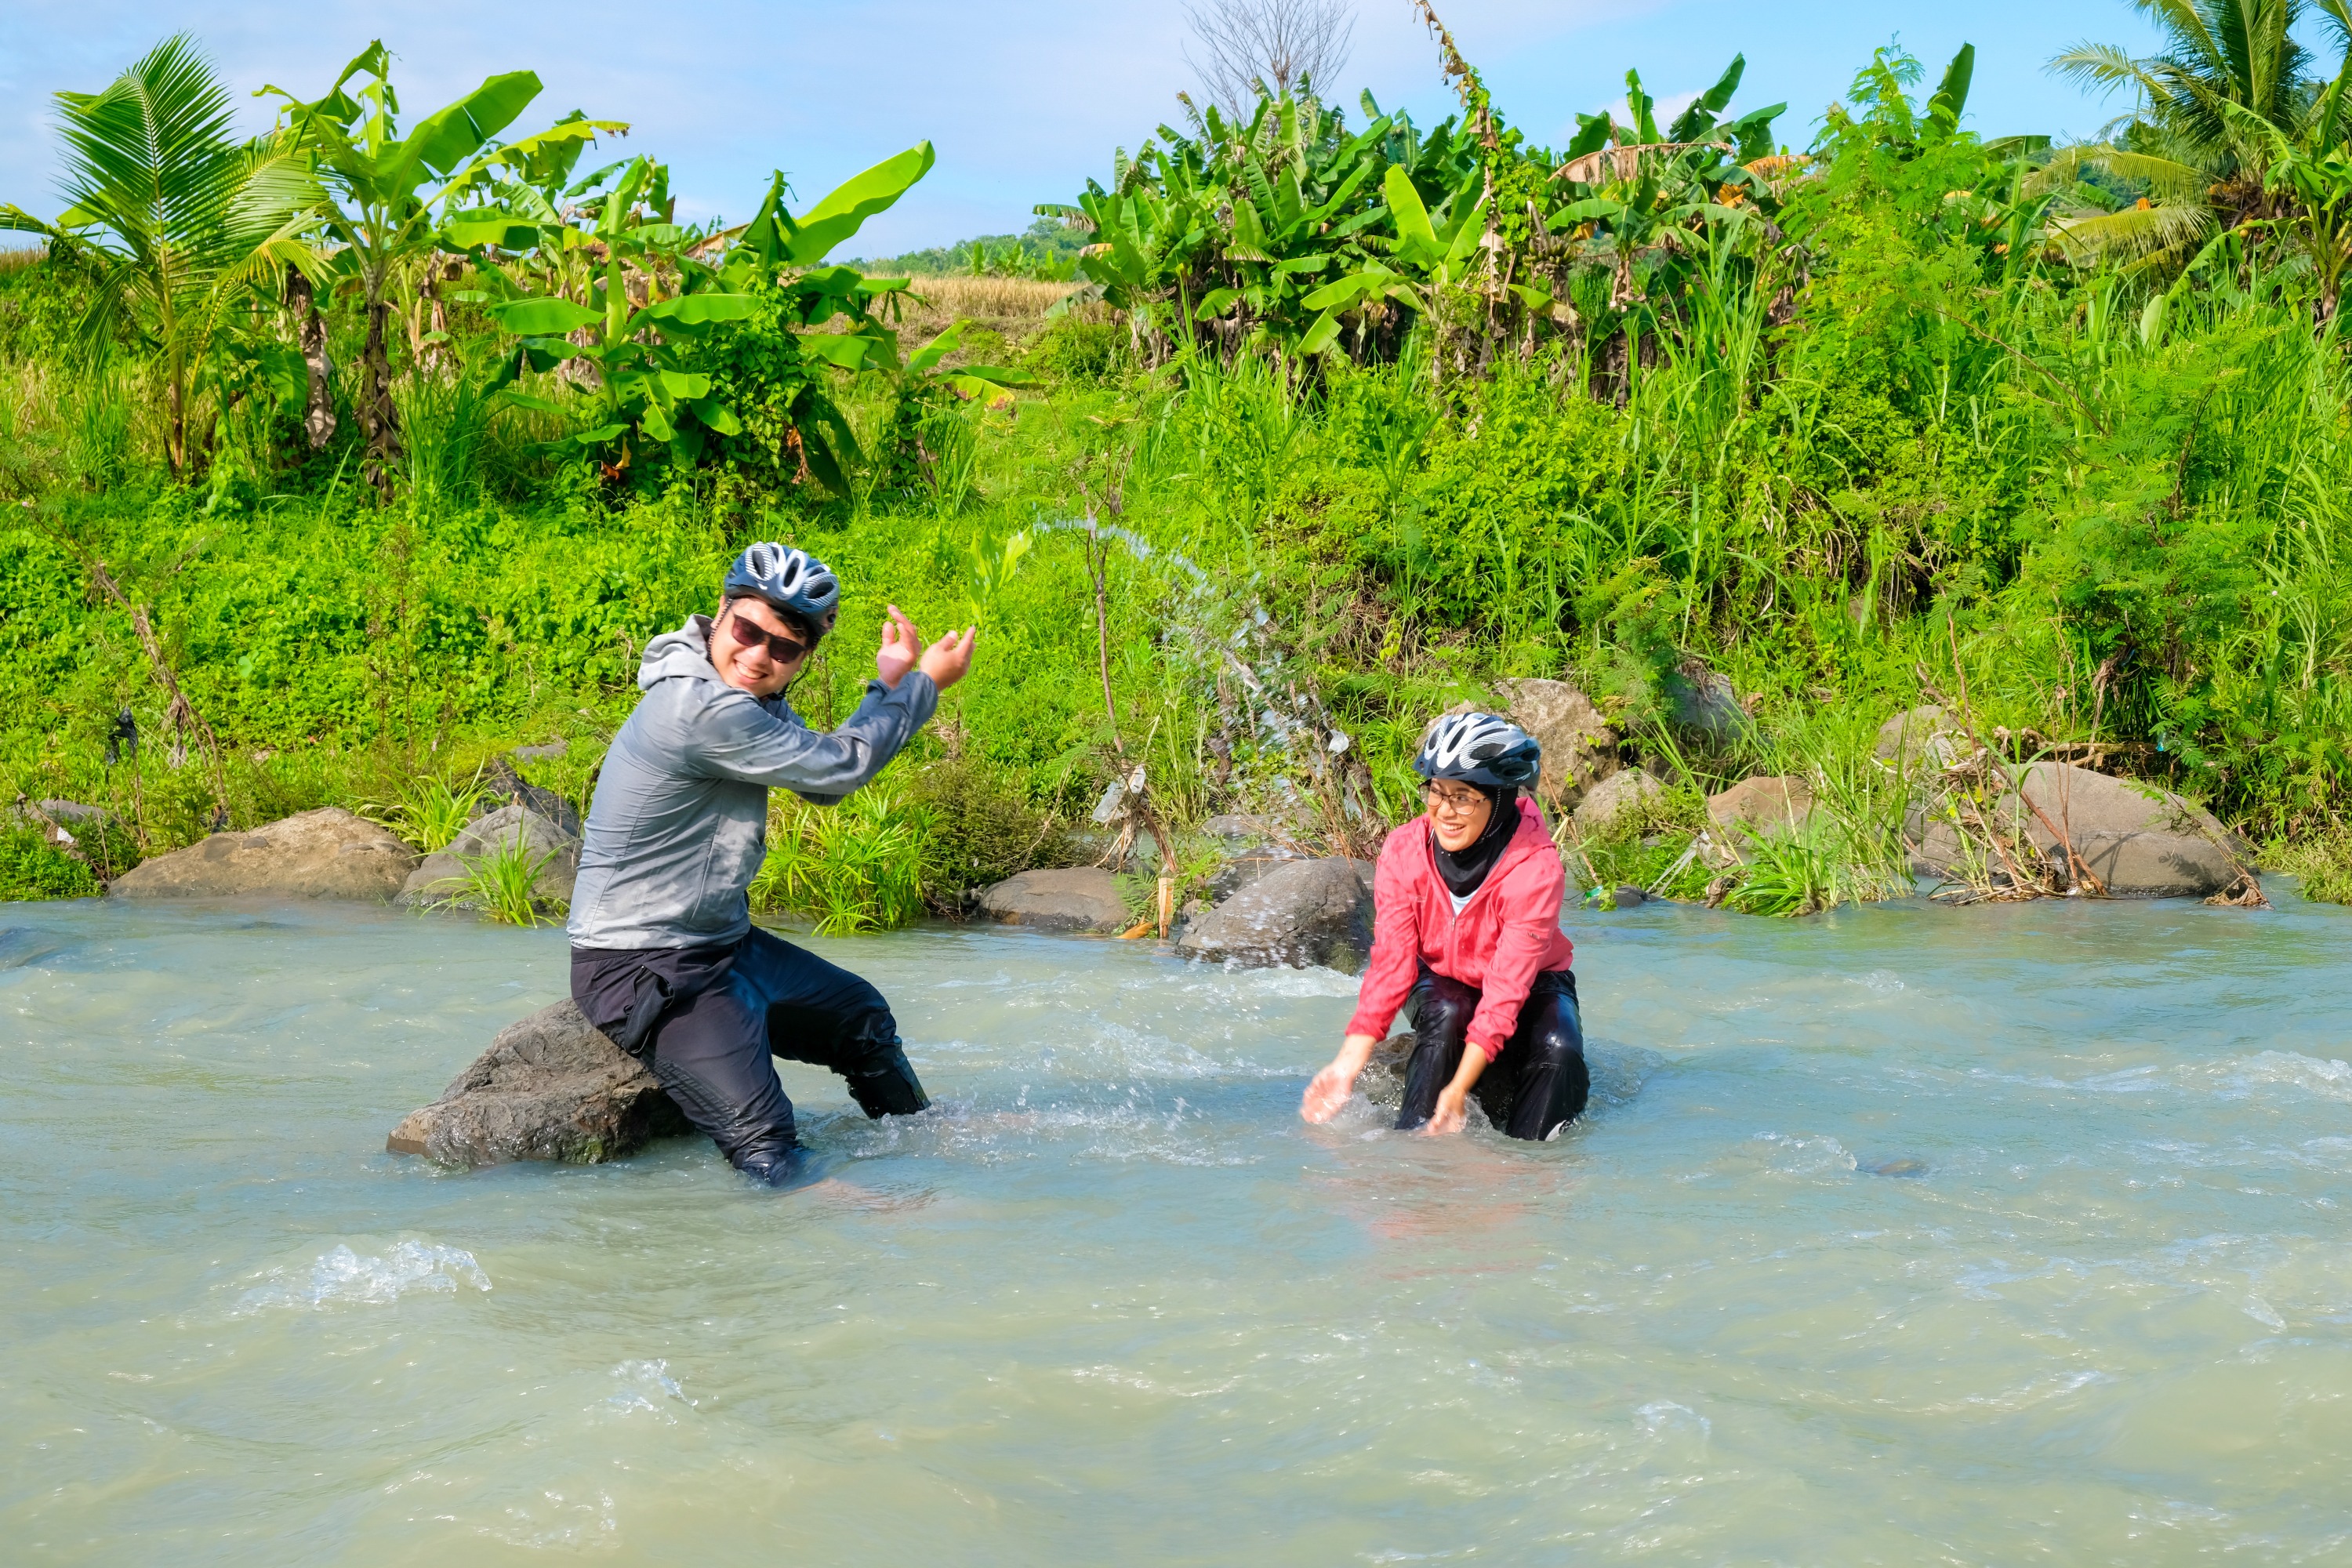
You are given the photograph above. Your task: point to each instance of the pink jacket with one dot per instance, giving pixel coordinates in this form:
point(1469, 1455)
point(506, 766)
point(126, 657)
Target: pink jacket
point(1504, 936)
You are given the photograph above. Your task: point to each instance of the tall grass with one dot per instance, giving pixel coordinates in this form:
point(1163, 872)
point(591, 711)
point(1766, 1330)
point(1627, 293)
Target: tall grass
point(857, 867)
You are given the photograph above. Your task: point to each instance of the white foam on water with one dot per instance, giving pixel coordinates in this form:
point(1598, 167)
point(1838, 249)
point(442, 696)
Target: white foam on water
point(2284, 1069)
point(647, 1386)
point(341, 1277)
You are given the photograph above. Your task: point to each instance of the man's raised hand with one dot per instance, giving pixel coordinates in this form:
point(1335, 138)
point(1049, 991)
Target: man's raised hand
point(902, 647)
point(948, 659)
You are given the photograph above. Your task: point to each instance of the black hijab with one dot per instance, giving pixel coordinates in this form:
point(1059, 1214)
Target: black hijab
point(1463, 871)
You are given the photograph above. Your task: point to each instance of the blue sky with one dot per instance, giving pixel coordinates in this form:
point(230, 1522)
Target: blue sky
point(1022, 101)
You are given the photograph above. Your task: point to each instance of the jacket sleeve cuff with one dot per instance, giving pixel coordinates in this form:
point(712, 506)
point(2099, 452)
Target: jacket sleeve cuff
point(1371, 1023)
point(1492, 1048)
point(916, 694)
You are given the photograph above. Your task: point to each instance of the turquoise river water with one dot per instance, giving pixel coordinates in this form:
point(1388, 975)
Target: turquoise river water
point(1995, 1236)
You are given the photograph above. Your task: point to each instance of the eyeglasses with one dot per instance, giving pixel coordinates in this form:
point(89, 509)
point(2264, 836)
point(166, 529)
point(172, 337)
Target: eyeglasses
point(783, 650)
point(1454, 803)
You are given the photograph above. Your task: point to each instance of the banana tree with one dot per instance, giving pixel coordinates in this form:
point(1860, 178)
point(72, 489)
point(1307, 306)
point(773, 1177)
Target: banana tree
point(1425, 257)
point(646, 389)
point(383, 195)
point(644, 352)
point(179, 226)
point(1294, 184)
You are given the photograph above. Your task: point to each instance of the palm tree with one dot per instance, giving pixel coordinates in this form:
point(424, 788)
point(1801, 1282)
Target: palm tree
point(173, 220)
point(2229, 85)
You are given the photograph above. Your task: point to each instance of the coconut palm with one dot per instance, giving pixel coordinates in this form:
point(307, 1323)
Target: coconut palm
point(2232, 83)
point(174, 220)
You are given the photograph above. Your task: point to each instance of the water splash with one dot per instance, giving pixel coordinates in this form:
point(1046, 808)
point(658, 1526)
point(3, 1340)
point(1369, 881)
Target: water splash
point(341, 1277)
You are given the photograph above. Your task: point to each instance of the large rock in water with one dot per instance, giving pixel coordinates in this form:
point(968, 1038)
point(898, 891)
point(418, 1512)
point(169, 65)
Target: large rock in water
point(1580, 747)
point(2140, 841)
point(1308, 911)
point(1075, 898)
point(323, 854)
point(549, 1088)
point(442, 874)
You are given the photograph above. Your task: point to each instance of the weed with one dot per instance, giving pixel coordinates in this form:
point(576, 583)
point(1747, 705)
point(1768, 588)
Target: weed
point(502, 884)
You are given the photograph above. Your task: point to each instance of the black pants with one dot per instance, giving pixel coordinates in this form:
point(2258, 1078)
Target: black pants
point(709, 1047)
point(1535, 1083)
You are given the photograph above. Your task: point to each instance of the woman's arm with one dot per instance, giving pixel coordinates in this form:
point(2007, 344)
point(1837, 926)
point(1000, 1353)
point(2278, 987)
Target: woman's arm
point(1331, 1086)
point(1388, 976)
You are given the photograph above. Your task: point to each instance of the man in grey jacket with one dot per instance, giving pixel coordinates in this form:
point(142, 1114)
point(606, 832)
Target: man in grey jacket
point(665, 958)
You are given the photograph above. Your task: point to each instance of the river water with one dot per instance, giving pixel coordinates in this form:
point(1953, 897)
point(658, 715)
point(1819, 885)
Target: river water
point(1987, 1235)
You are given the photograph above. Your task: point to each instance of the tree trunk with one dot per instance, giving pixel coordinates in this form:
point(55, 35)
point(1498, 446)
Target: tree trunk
point(176, 427)
point(311, 335)
point(378, 418)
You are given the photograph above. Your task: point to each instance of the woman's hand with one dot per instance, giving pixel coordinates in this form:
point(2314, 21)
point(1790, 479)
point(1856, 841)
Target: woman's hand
point(1329, 1089)
point(1448, 1116)
point(902, 647)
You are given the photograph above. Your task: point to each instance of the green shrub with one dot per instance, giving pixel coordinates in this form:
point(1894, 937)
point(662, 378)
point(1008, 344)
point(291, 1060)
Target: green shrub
point(1077, 349)
point(32, 868)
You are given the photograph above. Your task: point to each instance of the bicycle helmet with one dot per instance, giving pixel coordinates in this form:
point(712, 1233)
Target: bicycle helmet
point(1479, 748)
point(791, 581)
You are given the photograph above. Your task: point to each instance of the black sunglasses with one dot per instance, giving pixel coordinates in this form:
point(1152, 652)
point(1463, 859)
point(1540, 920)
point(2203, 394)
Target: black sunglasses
point(783, 650)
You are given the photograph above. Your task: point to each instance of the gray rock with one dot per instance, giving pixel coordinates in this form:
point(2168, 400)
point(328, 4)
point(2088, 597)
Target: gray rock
point(1580, 747)
point(554, 748)
point(1239, 827)
point(441, 875)
point(1614, 796)
point(1238, 872)
point(1308, 911)
point(1765, 804)
point(1705, 705)
point(501, 785)
point(1075, 898)
point(323, 854)
point(549, 1088)
point(1919, 739)
point(2139, 840)
point(1631, 897)
point(73, 811)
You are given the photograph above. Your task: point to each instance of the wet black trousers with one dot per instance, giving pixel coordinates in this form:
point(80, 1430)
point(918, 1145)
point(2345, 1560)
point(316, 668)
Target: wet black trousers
point(709, 1026)
point(1538, 1080)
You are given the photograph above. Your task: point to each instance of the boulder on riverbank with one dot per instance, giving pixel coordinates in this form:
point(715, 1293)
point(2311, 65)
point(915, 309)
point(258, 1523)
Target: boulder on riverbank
point(550, 1087)
point(1763, 804)
point(1073, 898)
point(1625, 790)
point(502, 786)
point(2139, 840)
point(1580, 747)
point(323, 854)
point(1303, 912)
point(1920, 741)
point(441, 877)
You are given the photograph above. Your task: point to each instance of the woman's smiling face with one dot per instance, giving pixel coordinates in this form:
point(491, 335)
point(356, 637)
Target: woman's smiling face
point(1457, 813)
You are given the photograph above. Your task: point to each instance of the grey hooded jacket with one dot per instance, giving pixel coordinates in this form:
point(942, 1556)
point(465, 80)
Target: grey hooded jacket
point(678, 826)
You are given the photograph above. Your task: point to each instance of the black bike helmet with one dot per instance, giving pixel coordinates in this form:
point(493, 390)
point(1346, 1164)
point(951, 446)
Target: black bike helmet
point(1479, 748)
point(791, 581)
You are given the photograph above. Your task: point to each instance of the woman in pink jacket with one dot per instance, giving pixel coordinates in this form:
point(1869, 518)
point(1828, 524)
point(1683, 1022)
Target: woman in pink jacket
point(1467, 938)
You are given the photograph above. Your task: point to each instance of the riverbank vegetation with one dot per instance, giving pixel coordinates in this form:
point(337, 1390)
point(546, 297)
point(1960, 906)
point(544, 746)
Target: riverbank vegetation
point(383, 445)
